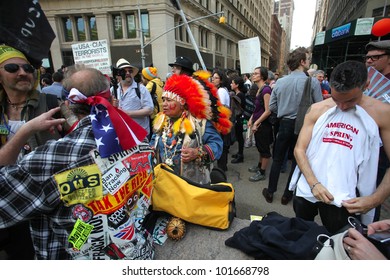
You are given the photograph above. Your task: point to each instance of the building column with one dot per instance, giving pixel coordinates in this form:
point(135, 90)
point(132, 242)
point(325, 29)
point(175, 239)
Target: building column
point(212, 46)
point(224, 50)
point(103, 25)
point(163, 48)
point(55, 49)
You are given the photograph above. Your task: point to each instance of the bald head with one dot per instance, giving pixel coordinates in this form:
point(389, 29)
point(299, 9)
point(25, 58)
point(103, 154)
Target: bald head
point(88, 81)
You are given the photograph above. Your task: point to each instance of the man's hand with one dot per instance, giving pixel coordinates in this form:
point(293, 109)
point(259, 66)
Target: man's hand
point(358, 204)
point(45, 121)
point(322, 194)
point(360, 248)
point(189, 154)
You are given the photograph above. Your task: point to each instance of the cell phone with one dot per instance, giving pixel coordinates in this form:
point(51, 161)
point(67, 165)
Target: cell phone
point(381, 236)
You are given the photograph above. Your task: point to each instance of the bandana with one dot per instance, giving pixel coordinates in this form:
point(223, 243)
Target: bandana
point(7, 52)
point(114, 130)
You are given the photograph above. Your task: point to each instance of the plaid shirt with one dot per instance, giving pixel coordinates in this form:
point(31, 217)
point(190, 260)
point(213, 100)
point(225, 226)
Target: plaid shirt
point(28, 190)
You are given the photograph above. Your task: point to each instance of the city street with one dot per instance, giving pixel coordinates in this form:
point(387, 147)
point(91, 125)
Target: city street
point(249, 200)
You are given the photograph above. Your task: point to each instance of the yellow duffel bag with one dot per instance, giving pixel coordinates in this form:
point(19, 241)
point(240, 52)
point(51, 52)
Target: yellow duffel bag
point(210, 205)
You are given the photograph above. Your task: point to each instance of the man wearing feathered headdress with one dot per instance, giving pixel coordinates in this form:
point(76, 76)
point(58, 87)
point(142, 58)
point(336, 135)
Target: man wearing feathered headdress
point(187, 131)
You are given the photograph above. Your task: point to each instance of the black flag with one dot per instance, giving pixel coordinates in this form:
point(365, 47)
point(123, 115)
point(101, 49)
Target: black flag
point(24, 26)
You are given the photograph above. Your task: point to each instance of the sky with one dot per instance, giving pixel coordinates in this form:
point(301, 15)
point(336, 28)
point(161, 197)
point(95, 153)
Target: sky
point(303, 19)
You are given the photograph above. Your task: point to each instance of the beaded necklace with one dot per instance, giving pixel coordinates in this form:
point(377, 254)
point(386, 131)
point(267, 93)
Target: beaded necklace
point(16, 105)
point(168, 132)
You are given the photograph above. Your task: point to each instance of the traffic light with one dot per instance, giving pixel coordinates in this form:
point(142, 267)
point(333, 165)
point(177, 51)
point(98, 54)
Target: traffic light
point(222, 20)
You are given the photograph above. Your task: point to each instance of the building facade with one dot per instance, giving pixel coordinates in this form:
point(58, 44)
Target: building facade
point(120, 22)
point(278, 36)
point(345, 29)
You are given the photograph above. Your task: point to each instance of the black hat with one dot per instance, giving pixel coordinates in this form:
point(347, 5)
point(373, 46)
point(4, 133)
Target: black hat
point(184, 62)
point(378, 45)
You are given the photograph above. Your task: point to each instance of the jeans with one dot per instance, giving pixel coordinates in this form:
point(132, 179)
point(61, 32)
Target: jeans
point(285, 139)
point(333, 218)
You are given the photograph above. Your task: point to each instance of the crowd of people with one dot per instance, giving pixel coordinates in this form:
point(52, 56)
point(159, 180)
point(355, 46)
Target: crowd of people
point(189, 122)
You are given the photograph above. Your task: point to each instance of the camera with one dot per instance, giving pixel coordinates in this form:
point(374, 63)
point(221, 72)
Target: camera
point(118, 72)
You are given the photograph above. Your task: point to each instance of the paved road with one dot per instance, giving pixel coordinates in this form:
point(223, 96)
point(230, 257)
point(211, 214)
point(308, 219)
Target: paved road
point(249, 200)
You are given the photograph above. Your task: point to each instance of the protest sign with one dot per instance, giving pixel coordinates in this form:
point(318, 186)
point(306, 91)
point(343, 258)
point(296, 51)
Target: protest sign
point(94, 54)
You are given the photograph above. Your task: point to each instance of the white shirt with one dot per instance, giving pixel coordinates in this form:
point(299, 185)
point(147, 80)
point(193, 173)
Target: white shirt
point(129, 101)
point(224, 96)
point(343, 154)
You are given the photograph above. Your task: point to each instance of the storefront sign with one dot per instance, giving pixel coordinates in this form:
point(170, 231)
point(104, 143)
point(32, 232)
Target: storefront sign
point(320, 38)
point(364, 26)
point(341, 31)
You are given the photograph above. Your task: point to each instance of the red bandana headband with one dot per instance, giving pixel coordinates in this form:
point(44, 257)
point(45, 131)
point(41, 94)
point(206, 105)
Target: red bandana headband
point(129, 132)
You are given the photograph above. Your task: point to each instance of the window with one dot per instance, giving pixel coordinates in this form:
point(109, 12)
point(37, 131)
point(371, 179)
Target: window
point(131, 27)
point(181, 30)
point(93, 28)
point(80, 29)
point(145, 24)
point(218, 43)
point(67, 25)
point(67, 57)
point(203, 37)
point(379, 12)
point(117, 24)
point(229, 48)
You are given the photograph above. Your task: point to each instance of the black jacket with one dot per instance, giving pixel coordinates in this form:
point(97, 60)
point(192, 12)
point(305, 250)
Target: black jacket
point(278, 238)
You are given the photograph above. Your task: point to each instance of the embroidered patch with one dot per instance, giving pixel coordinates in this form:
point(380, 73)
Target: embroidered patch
point(82, 213)
point(79, 234)
point(80, 185)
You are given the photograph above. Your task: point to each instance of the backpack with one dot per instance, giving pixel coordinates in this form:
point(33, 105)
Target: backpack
point(154, 98)
point(155, 101)
point(249, 106)
point(306, 101)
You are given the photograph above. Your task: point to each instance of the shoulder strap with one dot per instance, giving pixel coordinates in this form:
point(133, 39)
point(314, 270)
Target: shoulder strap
point(137, 91)
point(153, 92)
point(307, 97)
point(154, 97)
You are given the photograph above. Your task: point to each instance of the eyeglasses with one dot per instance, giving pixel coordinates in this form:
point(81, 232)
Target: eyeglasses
point(13, 68)
point(374, 57)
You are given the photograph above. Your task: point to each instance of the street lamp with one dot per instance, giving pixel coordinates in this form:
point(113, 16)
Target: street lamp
point(176, 4)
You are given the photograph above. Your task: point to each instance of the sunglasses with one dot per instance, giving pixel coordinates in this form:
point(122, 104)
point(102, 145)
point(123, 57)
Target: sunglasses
point(13, 68)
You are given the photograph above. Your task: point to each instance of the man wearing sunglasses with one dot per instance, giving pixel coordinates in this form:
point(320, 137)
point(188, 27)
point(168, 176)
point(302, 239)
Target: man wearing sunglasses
point(19, 103)
point(134, 99)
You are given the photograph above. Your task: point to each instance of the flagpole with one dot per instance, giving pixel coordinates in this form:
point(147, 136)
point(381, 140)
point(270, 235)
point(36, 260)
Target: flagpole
point(178, 5)
point(181, 24)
